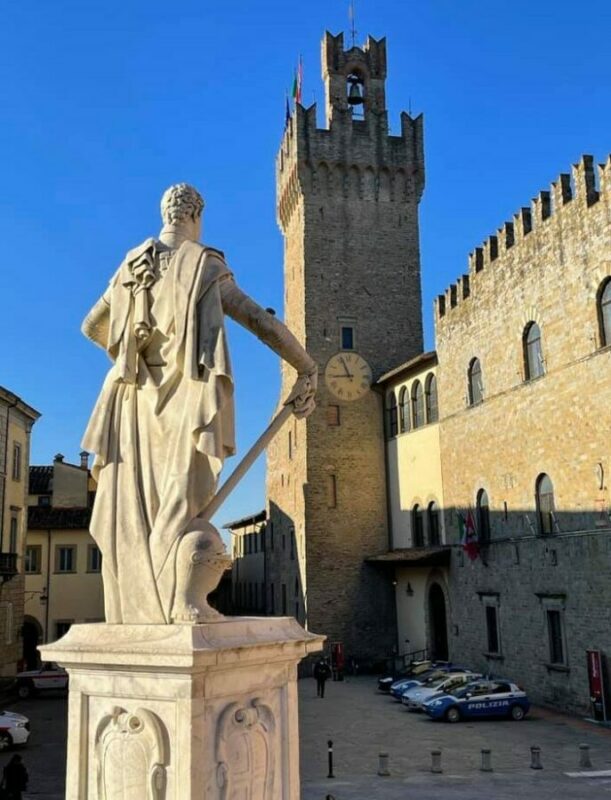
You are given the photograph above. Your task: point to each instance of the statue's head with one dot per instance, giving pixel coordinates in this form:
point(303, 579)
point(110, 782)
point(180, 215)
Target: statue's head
point(182, 205)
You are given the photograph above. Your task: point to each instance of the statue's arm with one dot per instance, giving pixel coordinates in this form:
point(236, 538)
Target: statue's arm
point(96, 324)
point(278, 337)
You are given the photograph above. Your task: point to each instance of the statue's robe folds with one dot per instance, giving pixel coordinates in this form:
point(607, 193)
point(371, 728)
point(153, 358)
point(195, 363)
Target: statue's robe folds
point(163, 423)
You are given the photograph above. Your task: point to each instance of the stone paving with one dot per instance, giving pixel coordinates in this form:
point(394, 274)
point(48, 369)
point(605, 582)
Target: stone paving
point(363, 723)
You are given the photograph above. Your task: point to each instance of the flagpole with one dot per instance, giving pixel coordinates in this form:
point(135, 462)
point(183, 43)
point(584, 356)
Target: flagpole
point(351, 16)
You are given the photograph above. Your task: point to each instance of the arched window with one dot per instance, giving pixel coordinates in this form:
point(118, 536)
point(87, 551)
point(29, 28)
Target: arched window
point(545, 504)
point(533, 353)
point(391, 415)
point(417, 527)
point(417, 404)
point(483, 516)
point(430, 396)
point(433, 524)
point(476, 386)
point(403, 411)
point(604, 312)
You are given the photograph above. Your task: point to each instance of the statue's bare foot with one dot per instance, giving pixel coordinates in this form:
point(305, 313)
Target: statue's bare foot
point(201, 561)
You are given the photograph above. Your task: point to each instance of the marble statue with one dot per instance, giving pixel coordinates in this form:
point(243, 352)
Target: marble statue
point(164, 420)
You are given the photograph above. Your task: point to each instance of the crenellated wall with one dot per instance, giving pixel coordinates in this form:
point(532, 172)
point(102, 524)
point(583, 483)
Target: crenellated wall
point(575, 206)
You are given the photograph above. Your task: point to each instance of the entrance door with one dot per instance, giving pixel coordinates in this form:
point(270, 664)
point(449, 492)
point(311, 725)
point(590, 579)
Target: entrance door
point(31, 639)
point(438, 623)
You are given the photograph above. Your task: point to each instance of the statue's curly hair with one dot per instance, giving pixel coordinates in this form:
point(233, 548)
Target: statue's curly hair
point(180, 202)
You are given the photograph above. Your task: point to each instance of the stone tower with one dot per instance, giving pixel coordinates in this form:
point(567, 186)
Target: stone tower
point(347, 202)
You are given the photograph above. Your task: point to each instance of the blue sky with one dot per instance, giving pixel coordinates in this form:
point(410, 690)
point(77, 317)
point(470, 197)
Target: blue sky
point(106, 104)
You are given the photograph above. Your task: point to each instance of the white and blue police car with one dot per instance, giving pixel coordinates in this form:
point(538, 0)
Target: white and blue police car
point(479, 699)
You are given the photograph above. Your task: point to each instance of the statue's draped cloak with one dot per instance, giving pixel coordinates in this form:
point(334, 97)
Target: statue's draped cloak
point(163, 423)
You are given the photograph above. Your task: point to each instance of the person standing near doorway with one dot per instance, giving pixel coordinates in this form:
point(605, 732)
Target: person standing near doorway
point(322, 672)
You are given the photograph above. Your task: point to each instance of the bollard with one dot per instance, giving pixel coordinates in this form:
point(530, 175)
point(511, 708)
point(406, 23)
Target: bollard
point(383, 765)
point(330, 754)
point(535, 758)
point(436, 761)
point(486, 760)
point(584, 756)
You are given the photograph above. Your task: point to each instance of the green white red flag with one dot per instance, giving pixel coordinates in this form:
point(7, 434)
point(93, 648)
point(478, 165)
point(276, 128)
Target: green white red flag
point(298, 82)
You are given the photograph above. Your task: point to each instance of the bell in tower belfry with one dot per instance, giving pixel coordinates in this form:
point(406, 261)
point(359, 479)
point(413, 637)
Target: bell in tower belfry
point(355, 92)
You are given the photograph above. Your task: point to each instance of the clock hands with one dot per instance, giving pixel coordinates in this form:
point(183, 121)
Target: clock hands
point(348, 373)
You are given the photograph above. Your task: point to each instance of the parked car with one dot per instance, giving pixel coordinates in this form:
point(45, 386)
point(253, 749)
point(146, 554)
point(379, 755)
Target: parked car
point(480, 699)
point(415, 698)
point(433, 674)
point(49, 676)
point(14, 729)
point(410, 671)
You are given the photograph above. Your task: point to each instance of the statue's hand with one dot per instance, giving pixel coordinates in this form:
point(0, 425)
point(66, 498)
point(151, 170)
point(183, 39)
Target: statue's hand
point(303, 393)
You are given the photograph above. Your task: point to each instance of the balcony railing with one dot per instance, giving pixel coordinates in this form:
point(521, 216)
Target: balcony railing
point(8, 566)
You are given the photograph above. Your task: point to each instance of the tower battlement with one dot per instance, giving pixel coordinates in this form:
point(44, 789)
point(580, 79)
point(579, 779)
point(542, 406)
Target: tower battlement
point(565, 209)
point(354, 157)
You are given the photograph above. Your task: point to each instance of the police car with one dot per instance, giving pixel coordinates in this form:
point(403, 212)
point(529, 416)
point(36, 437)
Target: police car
point(398, 688)
point(480, 699)
point(415, 698)
point(14, 729)
point(49, 676)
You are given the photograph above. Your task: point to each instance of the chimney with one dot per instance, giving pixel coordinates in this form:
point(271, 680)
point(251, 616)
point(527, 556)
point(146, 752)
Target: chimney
point(84, 459)
point(59, 458)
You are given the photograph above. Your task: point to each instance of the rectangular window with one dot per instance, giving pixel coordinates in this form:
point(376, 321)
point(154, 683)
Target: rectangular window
point(16, 461)
point(272, 599)
point(262, 538)
point(94, 558)
point(492, 627)
point(44, 500)
point(290, 445)
point(65, 558)
point(292, 538)
point(33, 558)
point(331, 491)
point(333, 416)
point(284, 541)
point(263, 597)
point(284, 598)
point(62, 626)
point(13, 535)
point(347, 337)
point(556, 636)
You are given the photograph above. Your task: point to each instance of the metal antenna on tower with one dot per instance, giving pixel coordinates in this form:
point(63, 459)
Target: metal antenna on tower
point(351, 17)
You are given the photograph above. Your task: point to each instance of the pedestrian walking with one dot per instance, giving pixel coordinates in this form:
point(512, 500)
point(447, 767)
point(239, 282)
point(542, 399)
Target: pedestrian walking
point(322, 672)
point(14, 779)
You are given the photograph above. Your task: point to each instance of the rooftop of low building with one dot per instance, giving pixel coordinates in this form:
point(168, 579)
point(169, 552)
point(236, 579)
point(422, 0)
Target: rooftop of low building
point(420, 362)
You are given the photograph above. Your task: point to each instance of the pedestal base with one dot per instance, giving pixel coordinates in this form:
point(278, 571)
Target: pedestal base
point(175, 712)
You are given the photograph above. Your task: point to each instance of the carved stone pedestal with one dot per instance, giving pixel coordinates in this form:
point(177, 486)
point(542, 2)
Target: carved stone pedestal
point(176, 712)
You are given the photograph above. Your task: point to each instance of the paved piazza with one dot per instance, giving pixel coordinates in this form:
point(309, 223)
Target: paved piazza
point(363, 723)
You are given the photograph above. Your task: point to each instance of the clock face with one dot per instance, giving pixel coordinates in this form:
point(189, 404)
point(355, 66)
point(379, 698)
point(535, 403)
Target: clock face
point(348, 376)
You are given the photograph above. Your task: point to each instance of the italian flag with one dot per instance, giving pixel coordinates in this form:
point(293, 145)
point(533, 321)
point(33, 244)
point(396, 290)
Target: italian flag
point(468, 534)
point(298, 82)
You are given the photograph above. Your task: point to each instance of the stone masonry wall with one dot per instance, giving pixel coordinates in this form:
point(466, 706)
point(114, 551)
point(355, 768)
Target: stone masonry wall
point(547, 267)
